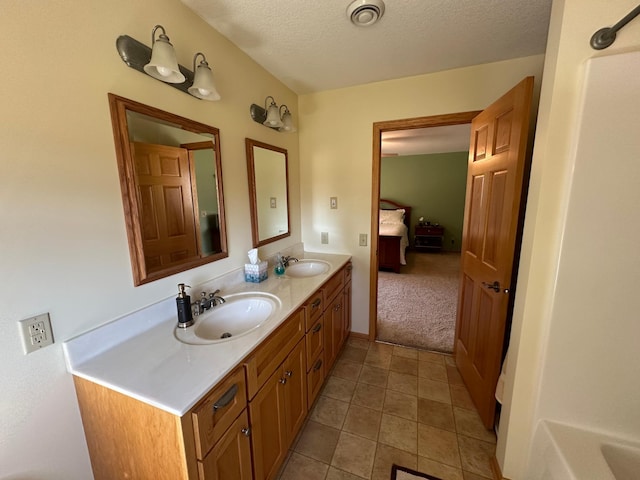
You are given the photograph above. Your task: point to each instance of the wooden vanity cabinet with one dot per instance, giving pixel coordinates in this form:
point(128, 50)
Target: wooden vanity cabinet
point(241, 429)
point(337, 315)
point(221, 430)
point(231, 455)
point(277, 412)
point(128, 438)
point(279, 406)
point(314, 340)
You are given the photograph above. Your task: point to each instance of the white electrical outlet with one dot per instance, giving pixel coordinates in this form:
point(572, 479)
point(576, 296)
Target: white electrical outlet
point(363, 240)
point(36, 332)
point(324, 237)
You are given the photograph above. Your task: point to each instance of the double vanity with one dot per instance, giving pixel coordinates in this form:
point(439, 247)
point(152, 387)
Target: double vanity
point(161, 402)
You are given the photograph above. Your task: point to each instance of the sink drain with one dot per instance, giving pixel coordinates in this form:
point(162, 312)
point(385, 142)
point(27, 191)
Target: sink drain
point(225, 335)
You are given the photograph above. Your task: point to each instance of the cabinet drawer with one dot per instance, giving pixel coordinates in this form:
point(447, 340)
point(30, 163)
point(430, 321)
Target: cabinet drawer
point(333, 287)
point(270, 353)
point(231, 456)
point(313, 309)
point(315, 341)
point(315, 377)
point(213, 415)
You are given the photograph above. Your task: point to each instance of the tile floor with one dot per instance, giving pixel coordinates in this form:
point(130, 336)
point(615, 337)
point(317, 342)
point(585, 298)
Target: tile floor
point(383, 404)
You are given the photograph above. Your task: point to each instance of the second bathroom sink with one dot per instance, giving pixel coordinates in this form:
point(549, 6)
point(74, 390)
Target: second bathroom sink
point(307, 268)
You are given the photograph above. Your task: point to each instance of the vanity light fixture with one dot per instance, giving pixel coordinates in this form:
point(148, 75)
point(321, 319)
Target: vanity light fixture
point(273, 119)
point(163, 65)
point(203, 86)
point(287, 120)
point(160, 63)
point(273, 116)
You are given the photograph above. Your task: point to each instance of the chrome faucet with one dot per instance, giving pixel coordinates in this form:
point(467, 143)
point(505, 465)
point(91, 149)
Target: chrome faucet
point(207, 301)
point(287, 260)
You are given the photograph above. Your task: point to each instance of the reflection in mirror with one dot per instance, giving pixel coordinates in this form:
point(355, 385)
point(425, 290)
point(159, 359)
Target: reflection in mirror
point(171, 180)
point(267, 167)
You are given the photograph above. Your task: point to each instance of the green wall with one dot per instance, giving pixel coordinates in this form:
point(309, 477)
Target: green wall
point(433, 185)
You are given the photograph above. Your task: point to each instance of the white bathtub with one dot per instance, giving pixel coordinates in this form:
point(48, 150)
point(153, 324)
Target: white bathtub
point(563, 452)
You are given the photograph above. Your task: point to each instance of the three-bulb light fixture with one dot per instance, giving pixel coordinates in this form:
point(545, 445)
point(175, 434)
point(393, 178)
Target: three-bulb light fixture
point(160, 62)
point(273, 116)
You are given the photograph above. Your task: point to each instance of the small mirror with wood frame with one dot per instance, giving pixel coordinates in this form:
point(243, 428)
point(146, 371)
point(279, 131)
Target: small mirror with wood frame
point(268, 174)
point(171, 180)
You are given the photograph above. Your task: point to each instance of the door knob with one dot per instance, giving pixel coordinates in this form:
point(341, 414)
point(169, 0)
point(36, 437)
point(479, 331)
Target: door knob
point(495, 286)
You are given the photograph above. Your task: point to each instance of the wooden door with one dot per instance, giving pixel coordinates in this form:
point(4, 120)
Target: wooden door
point(295, 390)
point(167, 221)
point(231, 456)
point(268, 435)
point(497, 161)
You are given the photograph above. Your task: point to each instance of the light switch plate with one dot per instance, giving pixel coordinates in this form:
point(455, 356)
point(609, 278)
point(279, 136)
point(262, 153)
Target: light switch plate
point(333, 201)
point(362, 241)
point(324, 237)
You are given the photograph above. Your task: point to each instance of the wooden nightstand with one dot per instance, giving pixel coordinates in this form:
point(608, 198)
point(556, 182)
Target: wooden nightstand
point(428, 238)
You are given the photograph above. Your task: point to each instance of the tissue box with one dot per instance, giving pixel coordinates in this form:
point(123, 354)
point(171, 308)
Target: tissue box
point(255, 273)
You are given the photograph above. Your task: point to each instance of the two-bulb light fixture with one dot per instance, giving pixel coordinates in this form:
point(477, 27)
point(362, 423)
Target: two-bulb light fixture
point(272, 116)
point(160, 62)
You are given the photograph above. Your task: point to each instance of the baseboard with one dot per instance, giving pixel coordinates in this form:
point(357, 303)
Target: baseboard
point(363, 336)
point(495, 468)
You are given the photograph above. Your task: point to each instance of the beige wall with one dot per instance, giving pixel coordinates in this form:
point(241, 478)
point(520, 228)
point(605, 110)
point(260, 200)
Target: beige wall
point(572, 24)
point(63, 246)
point(336, 149)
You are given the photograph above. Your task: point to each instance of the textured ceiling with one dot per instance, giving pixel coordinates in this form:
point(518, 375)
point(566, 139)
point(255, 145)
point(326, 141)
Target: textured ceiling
point(310, 45)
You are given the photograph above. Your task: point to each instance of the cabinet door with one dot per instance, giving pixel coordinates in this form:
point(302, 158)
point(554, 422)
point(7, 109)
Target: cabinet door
point(268, 432)
point(230, 458)
point(347, 310)
point(295, 390)
point(333, 328)
point(315, 342)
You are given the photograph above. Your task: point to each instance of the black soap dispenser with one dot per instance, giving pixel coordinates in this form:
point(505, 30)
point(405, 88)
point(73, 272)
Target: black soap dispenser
point(183, 302)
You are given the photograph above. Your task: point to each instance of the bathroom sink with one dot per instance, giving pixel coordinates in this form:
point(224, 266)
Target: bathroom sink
point(623, 460)
point(239, 315)
point(307, 268)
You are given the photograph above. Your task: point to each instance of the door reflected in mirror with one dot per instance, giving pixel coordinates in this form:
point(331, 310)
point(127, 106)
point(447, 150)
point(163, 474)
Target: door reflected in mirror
point(171, 179)
point(268, 174)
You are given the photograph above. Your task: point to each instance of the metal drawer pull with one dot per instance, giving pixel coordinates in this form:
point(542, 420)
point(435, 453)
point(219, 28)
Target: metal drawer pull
point(316, 303)
point(288, 373)
point(317, 328)
point(317, 366)
point(225, 399)
point(282, 380)
point(337, 307)
point(246, 431)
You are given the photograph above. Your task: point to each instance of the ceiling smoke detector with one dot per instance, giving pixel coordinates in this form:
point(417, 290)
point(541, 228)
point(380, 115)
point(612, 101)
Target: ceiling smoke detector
point(365, 12)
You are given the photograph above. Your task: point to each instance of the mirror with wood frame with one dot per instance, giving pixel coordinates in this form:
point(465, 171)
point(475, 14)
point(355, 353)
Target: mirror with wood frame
point(171, 180)
point(268, 174)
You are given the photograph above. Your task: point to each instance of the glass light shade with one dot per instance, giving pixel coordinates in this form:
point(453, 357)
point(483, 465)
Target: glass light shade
point(163, 64)
point(273, 116)
point(203, 86)
point(287, 122)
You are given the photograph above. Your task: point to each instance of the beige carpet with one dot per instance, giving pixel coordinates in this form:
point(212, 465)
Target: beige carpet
point(417, 307)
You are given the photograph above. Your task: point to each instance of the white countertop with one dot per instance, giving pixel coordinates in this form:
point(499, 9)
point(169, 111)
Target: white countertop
point(139, 356)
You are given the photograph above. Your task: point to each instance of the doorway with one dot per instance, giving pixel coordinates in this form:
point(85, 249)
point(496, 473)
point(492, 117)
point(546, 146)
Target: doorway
point(378, 129)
